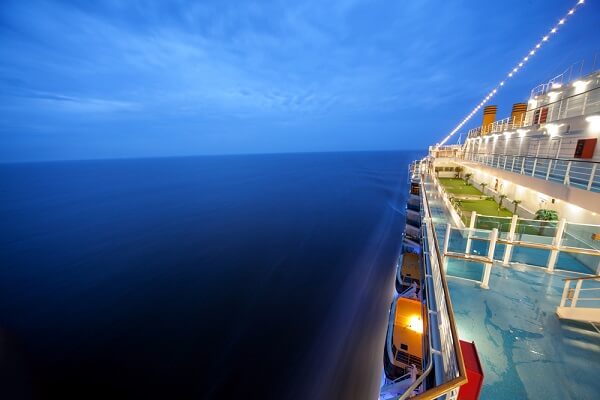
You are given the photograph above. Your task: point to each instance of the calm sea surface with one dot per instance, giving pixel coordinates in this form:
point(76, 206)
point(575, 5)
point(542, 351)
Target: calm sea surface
point(264, 276)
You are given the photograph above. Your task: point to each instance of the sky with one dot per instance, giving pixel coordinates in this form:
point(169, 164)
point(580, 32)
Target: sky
point(112, 79)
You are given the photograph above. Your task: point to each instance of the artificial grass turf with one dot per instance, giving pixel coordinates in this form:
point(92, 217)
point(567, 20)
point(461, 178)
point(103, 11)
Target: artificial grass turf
point(484, 207)
point(457, 186)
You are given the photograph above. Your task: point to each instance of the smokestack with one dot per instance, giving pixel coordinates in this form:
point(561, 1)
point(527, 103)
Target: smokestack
point(489, 116)
point(518, 113)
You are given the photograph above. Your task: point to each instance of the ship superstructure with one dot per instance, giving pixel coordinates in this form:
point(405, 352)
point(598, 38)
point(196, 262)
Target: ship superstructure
point(509, 250)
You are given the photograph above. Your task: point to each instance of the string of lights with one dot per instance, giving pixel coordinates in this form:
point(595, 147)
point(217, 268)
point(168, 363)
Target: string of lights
point(516, 69)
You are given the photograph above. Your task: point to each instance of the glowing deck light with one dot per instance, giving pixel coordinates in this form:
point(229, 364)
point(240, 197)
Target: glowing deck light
point(552, 129)
point(594, 121)
point(580, 84)
point(522, 132)
point(415, 324)
point(553, 95)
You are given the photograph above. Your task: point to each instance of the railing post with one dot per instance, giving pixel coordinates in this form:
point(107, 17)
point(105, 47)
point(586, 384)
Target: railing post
point(576, 294)
point(471, 227)
point(548, 172)
point(566, 180)
point(589, 186)
point(512, 167)
point(556, 242)
point(493, 239)
point(523, 167)
point(534, 165)
point(511, 237)
point(488, 265)
point(565, 292)
point(446, 240)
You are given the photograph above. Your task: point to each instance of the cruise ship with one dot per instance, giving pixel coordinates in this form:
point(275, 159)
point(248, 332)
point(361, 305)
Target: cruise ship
point(498, 281)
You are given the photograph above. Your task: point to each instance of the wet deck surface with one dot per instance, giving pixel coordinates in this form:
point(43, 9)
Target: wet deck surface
point(525, 350)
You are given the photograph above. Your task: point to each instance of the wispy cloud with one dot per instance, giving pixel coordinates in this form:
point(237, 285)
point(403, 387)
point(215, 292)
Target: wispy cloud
point(386, 65)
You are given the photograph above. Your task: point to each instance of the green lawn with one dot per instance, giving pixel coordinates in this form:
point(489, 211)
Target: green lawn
point(457, 186)
point(484, 207)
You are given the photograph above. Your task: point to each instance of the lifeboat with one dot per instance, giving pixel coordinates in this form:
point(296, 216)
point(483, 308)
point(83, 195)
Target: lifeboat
point(404, 342)
point(408, 271)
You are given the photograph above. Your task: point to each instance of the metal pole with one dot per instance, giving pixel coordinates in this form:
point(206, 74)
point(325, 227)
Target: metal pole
point(488, 265)
point(446, 240)
point(511, 237)
point(576, 294)
point(563, 299)
point(589, 187)
point(566, 181)
point(556, 245)
point(471, 227)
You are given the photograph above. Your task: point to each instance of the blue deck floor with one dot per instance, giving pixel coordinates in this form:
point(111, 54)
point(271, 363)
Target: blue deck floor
point(525, 350)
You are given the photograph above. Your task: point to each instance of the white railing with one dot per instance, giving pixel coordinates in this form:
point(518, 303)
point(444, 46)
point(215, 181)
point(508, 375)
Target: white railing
point(447, 151)
point(580, 174)
point(584, 103)
point(555, 236)
point(575, 71)
point(581, 303)
point(445, 356)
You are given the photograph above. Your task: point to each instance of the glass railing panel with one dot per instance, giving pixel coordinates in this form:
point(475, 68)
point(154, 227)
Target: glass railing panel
point(528, 166)
point(583, 263)
point(533, 231)
point(479, 247)
point(499, 251)
point(465, 269)
point(458, 240)
point(490, 222)
point(558, 171)
point(541, 168)
point(530, 256)
point(596, 181)
point(582, 236)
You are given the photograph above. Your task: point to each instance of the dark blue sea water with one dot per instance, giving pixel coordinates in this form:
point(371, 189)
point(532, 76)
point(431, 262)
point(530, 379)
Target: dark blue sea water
point(264, 276)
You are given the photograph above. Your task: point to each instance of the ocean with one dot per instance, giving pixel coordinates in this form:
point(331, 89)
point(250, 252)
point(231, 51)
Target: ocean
point(215, 277)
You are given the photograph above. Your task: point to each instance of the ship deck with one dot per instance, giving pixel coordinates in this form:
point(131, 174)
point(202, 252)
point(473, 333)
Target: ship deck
point(525, 350)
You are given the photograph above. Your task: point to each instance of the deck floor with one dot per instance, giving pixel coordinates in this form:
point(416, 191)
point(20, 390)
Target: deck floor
point(525, 350)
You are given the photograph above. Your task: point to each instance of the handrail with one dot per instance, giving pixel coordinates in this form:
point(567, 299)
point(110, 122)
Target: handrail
point(534, 157)
point(524, 123)
point(582, 278)
point(562, 99)
point(462, 376)
point(425, 373)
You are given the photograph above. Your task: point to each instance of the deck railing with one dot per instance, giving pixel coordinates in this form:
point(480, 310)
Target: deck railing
point(581, 303)
point(449, 369)
point(575, 173)
point(445, 361)
point(585, 103)
point(579, 244)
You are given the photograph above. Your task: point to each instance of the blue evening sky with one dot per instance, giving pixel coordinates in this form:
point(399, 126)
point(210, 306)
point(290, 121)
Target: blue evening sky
point(103, 79)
